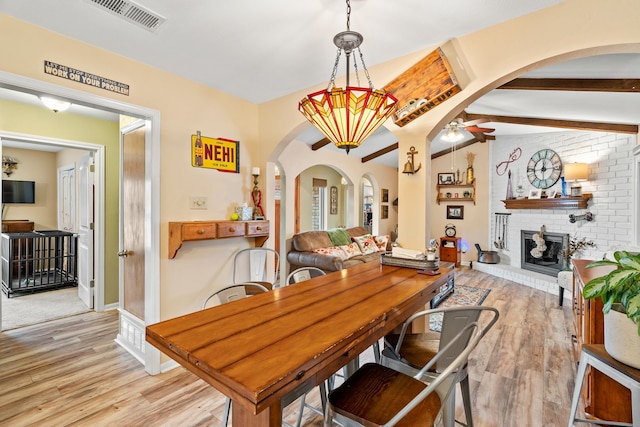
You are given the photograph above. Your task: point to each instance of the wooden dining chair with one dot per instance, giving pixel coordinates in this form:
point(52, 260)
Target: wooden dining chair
point(409, 352)
point(376, 395)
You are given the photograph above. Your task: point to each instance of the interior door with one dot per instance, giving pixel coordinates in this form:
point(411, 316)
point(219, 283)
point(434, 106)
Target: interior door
point(85, 229)
point(132, 221)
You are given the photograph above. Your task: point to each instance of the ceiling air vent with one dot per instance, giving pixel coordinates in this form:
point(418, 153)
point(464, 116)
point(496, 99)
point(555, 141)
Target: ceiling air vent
point(131, 12)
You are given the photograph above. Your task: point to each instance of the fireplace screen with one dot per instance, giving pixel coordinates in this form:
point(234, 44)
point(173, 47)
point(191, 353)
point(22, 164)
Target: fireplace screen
point(551, 260)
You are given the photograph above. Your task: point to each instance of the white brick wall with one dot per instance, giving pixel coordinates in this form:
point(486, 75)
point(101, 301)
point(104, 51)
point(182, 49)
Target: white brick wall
point(611, 175)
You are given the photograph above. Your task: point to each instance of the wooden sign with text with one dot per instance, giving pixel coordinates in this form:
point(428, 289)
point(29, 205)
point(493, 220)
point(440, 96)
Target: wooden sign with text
point(423, 86)
point(215, 153)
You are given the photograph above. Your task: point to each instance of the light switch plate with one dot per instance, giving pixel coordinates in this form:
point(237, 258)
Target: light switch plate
point(198, 202)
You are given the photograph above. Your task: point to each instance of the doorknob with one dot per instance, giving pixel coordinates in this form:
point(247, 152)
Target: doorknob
point(123, 253)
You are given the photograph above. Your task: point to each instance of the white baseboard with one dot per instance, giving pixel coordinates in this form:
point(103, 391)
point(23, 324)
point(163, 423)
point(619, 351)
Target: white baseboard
point(131, 335)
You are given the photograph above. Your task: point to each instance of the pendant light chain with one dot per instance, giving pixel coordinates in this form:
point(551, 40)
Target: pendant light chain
point(348, 15)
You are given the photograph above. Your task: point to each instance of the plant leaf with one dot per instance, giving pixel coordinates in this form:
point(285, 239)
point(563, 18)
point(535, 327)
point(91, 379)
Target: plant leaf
point(595, 287)
point(601, 263)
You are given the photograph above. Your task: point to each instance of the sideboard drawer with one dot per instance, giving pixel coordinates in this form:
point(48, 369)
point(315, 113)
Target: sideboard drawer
point(257, 228)
point(230, 229)
point(196, 231)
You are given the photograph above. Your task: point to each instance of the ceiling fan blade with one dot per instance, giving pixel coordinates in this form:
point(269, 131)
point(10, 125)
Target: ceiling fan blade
point(478, 129)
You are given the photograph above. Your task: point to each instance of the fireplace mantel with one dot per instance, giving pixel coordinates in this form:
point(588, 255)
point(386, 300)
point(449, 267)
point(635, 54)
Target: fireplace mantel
point(556, 203)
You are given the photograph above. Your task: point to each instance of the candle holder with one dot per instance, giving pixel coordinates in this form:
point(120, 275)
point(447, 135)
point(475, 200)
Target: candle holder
point(256, 195)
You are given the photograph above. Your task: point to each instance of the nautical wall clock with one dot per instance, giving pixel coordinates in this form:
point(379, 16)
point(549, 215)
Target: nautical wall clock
point(544, 168)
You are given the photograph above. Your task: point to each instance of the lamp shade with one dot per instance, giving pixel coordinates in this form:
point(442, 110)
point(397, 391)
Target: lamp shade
point(576, 172)
point(348, 116)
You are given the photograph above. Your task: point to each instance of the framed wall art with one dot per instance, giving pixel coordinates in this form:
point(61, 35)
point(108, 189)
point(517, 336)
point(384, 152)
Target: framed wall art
point(333, 200)
point(455, 212)
point(385, 212)
point(384, 196)
point(446, 178)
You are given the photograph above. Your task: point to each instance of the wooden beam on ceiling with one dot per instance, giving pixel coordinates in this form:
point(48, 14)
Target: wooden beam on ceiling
point(575, 85)
point(318, 145)
point(554, 123)
point(457, 147)
point(381, 152)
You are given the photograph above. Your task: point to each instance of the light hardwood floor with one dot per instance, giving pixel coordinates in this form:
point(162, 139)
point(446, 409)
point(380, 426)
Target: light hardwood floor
point(71, 372)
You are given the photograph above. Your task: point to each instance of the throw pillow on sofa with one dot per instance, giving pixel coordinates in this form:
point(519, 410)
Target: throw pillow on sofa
point(332, 251)
point(381, 242)
point(351, 250)
point(366, 243)
point(339, 236)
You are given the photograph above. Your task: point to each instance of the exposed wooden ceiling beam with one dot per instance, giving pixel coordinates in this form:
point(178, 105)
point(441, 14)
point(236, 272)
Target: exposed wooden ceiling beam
point(457, 147)
point(576, 85)
point(565, 124)
point(379, 153)
point(318, 145)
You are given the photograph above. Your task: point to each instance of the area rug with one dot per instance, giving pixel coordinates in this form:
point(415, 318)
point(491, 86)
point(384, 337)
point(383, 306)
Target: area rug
point(24, 310)
point(463, 295)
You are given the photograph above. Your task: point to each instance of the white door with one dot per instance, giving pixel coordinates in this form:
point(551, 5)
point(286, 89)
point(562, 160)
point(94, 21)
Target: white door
point(85, 230)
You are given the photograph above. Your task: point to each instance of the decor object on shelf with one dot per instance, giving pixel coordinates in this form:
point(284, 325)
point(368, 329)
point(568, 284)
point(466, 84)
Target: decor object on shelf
point(509, 188)
point(535, 193)
point(409, 167)
point(587, 216)
point(256, 194)
point(55, 104)
point(9, 164)
point(620, 292)
point(446, 178)
point(544, 168)
point(450, 230)
point(470, 158)
point(575, 172)
point(348, 116)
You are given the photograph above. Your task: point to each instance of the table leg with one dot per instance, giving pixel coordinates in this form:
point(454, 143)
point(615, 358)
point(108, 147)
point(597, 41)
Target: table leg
point(270, 417)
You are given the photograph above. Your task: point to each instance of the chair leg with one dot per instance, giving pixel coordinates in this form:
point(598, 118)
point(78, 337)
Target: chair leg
point(301, 410)
point(466, 399)
point(225, 415)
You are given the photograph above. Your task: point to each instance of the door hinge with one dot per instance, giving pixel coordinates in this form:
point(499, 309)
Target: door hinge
point(91, 226)
point(92, 168)
point(92, 284)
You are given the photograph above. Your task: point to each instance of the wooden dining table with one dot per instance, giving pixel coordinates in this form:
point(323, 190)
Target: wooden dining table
point(260, 349)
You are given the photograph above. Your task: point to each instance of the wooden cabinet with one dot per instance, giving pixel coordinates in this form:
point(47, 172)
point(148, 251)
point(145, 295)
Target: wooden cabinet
point(185, 231)
point(603, 397)
point(450, 250)
point(456, 192)
point(17, 226)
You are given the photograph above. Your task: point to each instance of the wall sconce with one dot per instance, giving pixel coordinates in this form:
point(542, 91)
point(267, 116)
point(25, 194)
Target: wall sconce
point(587, 216)
point(256, 195)
point(409, 166)
point(576, 172)
point(9, 164)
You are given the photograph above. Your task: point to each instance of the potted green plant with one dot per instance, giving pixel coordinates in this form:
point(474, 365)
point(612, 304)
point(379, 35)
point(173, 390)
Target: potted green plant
point(620, 293)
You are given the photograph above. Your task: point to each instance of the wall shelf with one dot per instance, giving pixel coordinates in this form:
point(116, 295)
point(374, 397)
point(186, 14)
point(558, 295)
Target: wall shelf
point(185, 231)
point(452, 189)
point(555, 203)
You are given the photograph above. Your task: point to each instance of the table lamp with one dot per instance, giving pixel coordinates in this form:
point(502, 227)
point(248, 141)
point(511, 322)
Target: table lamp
point(575, 172)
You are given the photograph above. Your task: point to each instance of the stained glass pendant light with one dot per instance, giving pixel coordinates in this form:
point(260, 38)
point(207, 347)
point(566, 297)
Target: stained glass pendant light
point(348, 116)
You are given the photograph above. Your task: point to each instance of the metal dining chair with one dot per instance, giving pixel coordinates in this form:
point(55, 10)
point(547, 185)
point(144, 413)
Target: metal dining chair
point(256, 265)
point(243, 290)
point(303, 273)
point(377, 395)
point(408, 352)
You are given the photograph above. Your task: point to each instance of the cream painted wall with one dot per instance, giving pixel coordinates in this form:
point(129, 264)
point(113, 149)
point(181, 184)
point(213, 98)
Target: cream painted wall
point(38, 166)
point(306, 182)
point(473, 228)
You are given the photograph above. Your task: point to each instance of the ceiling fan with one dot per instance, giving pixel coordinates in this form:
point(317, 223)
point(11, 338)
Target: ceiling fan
point(453, 129)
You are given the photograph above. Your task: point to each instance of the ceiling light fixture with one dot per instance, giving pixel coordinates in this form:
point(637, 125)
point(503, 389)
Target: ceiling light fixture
point(452, 133)
point(55, 104)
point(348, 116)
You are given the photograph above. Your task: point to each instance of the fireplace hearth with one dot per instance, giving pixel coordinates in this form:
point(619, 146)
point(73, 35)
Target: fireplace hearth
point(551, 261)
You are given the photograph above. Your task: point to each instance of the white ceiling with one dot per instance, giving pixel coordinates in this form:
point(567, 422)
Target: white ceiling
point(261, 50)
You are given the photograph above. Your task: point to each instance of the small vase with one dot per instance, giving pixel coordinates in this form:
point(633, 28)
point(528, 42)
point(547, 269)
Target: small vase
point(470, 175)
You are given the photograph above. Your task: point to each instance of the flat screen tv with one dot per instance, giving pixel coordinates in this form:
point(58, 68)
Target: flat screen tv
point(18, 191)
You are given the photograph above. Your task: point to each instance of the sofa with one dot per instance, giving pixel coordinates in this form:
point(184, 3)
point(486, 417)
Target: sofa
point(336, 249)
